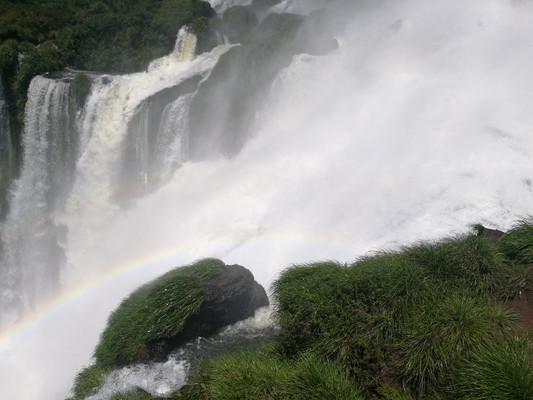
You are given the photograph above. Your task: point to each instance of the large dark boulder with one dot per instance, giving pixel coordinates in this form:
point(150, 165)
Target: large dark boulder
point(230, 296)
point(185, 303)
point(494, 235)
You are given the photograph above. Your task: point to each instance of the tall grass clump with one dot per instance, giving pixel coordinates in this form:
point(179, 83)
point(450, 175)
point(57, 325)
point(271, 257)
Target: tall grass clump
point(438, 338)
point(463, 261)
point(517, 243)
point(261, 376)
point(408, 317)
point(88, 381)
point(156, 310)
point(500, 371)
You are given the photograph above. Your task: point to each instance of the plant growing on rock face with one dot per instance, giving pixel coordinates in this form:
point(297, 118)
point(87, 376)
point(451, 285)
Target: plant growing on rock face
point(88, 381)
point(157, 310)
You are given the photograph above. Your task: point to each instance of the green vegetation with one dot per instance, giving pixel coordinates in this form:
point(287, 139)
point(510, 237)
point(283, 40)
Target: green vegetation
point(497, 372)
point(426, 321)
point(156, 310)
point(260, 376)
point(429, 321)
point(103, 35)
point(88, 381)
point(517, 244)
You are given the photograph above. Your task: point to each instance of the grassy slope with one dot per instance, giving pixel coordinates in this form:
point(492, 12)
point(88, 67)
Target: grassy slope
point(427, 321)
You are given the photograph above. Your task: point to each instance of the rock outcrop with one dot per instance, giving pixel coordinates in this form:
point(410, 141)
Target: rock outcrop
point(230, 296)
point(183, 304)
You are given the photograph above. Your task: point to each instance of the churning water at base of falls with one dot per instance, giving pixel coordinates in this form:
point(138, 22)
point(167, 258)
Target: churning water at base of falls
point(418, 125)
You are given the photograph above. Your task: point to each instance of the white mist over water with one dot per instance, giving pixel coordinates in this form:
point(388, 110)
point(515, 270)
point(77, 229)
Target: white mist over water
point(418, 125)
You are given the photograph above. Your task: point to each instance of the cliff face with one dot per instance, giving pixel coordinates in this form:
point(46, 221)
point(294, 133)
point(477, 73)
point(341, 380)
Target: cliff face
point(7, 151)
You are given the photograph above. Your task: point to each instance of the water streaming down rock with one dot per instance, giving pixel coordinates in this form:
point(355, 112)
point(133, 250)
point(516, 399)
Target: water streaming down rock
point(419, 124)
point(32, 256)
point(7, 151)
point(82, 160)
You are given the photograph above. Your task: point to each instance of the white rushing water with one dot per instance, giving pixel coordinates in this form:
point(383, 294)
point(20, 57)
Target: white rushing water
point(418, 125)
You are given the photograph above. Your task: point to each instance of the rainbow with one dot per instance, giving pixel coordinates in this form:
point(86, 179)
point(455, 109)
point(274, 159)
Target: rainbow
point(68, 295)
point(164, 256)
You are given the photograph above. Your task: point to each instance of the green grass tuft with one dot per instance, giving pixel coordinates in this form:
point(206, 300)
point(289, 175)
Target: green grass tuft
point(408, 317)
point(156, 310)
point(88, 381)
point(439, 336)
point(500, 371)
point(517, 243)
point(260, 376)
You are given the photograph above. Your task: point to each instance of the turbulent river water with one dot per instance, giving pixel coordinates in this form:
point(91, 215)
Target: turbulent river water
point(418, 125)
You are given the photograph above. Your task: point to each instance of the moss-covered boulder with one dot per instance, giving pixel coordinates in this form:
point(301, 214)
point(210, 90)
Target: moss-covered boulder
point(185, 303)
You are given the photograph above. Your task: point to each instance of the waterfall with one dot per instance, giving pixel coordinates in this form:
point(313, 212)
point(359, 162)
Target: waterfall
point(32, 257)
point(418, 125)
point(7, 152)
point(82, 162)
point(185, 45)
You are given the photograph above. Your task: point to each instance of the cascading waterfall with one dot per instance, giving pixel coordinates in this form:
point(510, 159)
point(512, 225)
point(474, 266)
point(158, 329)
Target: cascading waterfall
point(6, 149)
point(171, 145)
point(32, 257)
point(416, 126)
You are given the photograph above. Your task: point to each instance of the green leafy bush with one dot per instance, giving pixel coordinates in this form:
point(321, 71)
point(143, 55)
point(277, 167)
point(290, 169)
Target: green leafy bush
point(103, 35)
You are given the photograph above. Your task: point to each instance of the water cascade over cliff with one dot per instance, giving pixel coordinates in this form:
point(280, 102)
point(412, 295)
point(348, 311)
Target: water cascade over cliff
point(417, 125)
point(88, 158)
point(7, 154)
point(30, 237)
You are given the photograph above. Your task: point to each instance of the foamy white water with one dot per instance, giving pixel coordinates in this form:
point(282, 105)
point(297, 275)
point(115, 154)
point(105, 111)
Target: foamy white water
point(418, 125)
